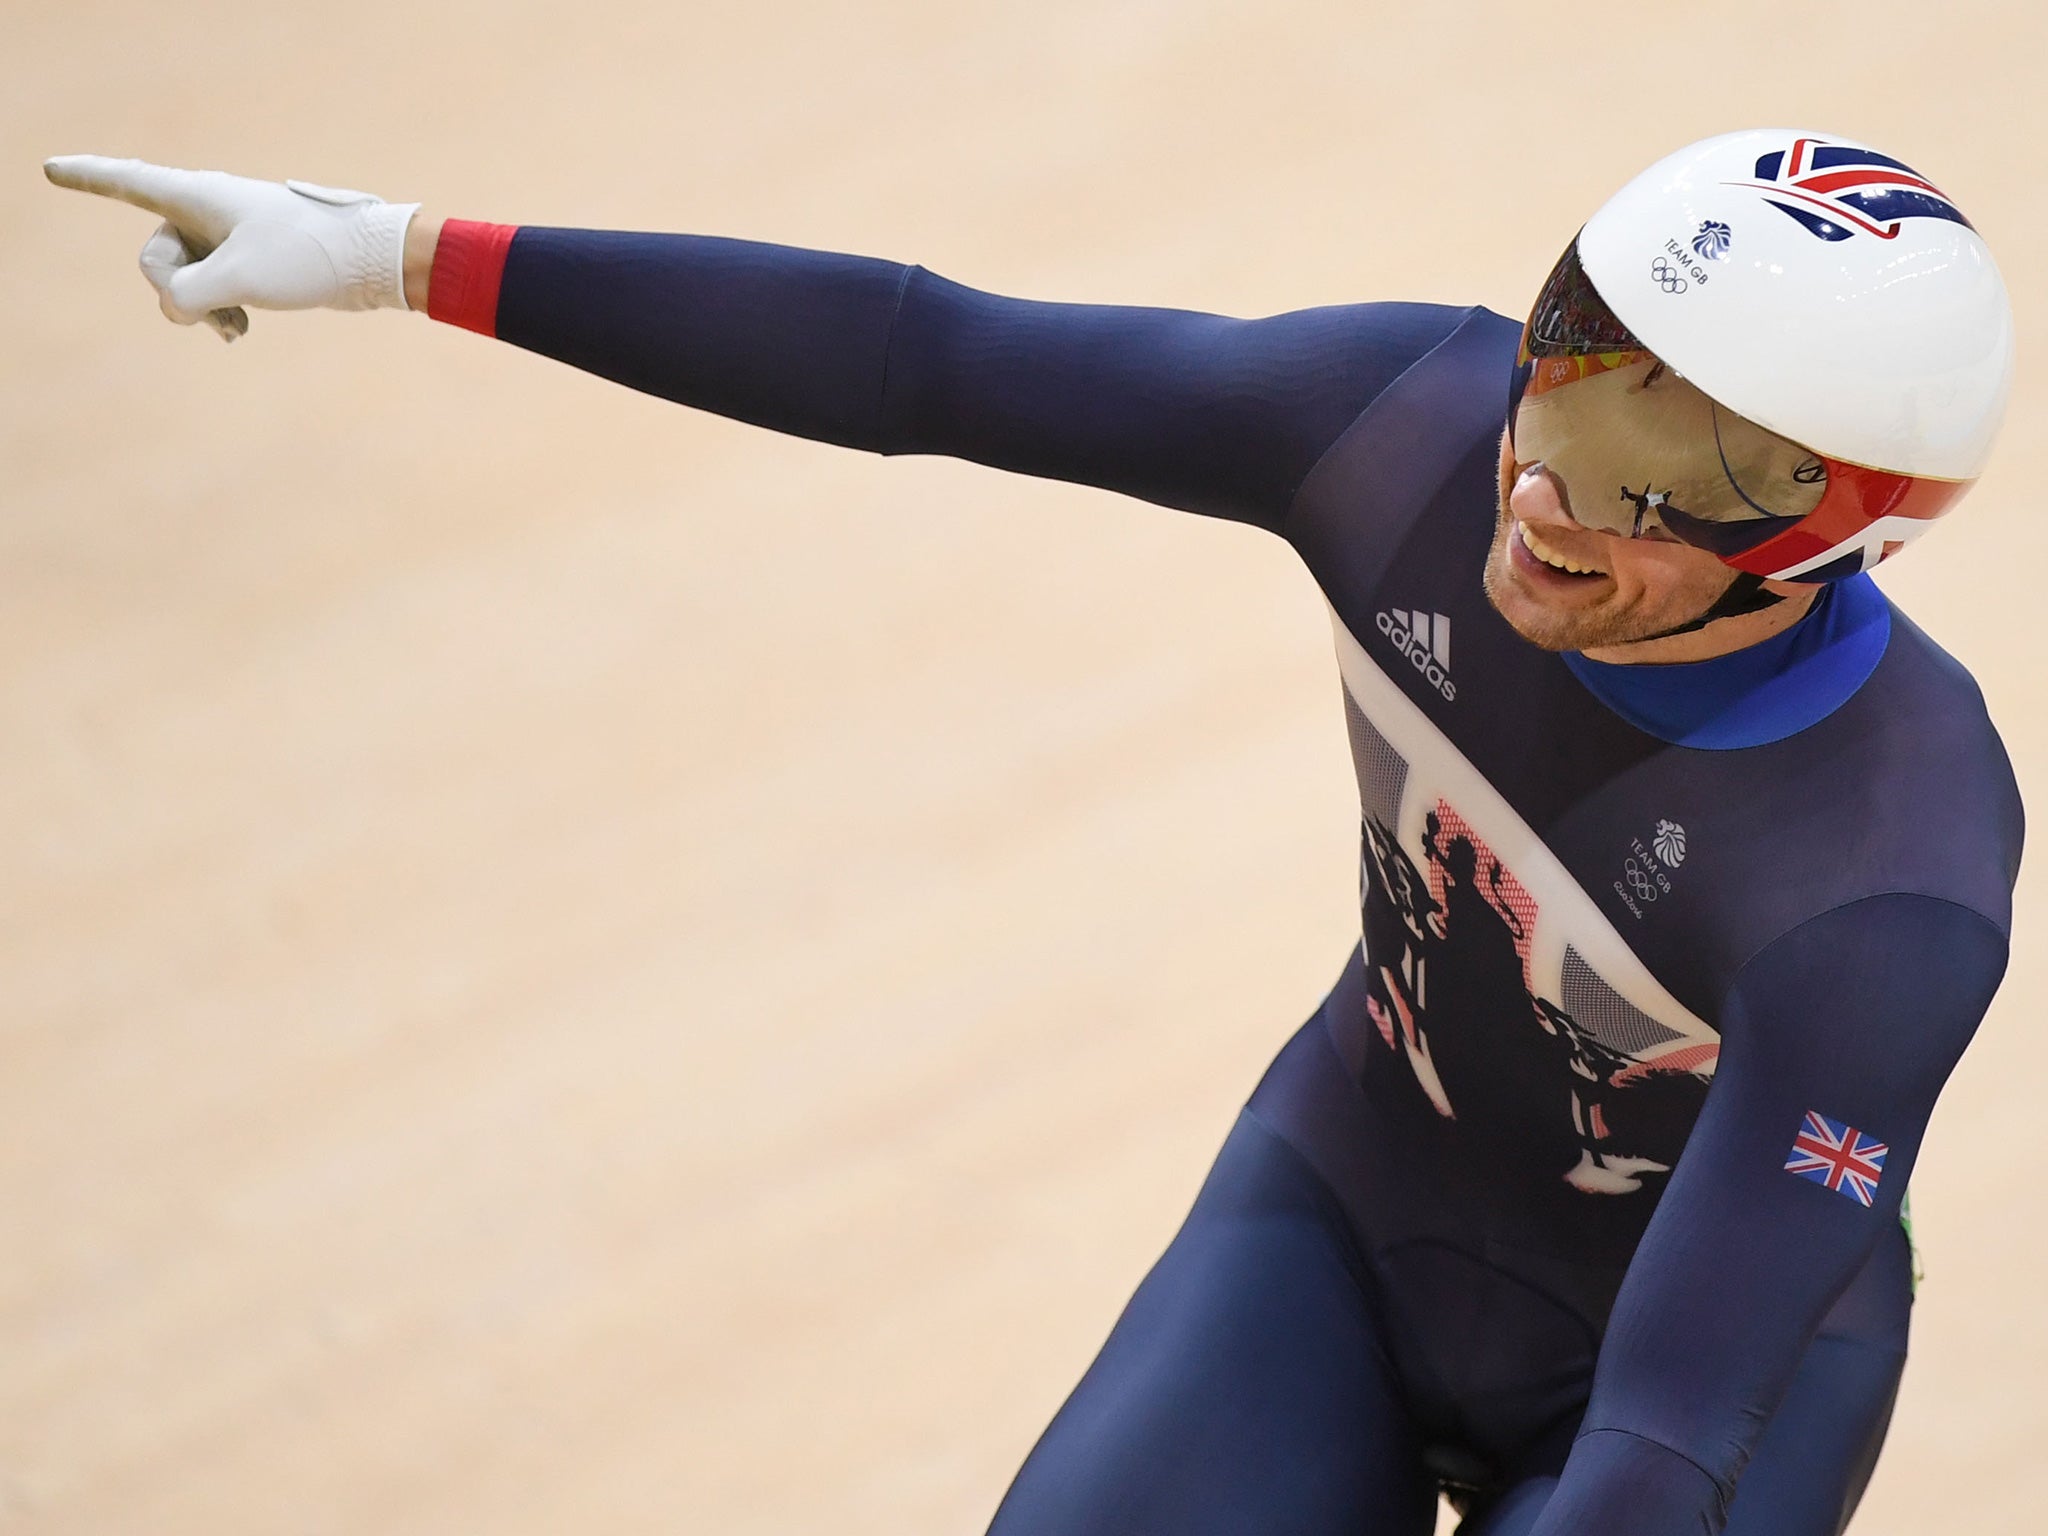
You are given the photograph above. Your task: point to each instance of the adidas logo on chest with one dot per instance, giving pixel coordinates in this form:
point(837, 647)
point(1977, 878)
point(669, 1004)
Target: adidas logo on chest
point(1425, 640)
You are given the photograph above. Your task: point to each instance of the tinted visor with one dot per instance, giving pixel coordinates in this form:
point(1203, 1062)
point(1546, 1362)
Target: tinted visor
point(1636, 448)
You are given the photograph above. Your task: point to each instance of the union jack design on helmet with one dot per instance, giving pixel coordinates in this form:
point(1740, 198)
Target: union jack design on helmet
point(1841, 189)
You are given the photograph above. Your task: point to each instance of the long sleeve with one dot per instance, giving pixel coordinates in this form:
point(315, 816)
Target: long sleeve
point(1199, 412)
point(1841, 1033)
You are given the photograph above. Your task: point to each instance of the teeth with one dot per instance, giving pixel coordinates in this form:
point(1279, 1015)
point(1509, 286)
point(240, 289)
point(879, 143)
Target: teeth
point(1542, 551)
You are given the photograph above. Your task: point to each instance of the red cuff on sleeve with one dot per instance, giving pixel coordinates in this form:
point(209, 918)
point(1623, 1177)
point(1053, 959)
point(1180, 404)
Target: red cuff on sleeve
point(469, 264)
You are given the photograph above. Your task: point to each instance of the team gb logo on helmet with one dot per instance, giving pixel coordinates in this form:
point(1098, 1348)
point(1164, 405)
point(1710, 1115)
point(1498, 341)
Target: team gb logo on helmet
point(1836, 191)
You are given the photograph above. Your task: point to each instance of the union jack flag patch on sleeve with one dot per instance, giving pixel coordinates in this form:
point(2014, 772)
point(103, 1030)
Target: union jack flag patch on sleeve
point(1837, 1157)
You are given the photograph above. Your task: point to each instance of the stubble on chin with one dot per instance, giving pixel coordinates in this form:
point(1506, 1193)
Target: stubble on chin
point(1546, 631)
point(1611, 622)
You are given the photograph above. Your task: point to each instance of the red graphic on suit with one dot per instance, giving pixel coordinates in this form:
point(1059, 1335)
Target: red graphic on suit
point(1598, 1097)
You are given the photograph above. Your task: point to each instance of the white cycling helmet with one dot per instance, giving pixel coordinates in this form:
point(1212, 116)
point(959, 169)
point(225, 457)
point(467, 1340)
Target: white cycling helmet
point(1798, 348)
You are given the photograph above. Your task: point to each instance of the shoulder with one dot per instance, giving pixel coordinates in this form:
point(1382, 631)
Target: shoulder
point(1907, 789)
point(1472, 338)
point(1939, 745)
point(1442, 394)
point(1407, 331)
point(1394, 338)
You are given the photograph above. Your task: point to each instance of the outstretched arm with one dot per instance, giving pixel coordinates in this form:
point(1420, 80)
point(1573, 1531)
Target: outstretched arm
point(1201, 412)
point(1842, 1032)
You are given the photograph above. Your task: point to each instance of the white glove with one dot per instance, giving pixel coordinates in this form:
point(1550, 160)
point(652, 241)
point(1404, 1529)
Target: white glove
point(227, 241)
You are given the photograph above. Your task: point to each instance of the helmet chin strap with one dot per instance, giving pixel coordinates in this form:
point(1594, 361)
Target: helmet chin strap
point(1745, 594)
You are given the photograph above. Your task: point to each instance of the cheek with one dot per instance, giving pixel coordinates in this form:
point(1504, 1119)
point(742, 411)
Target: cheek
point(1661, 569)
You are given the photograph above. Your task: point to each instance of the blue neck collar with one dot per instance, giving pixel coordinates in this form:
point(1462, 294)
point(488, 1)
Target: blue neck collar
point(1763, 693)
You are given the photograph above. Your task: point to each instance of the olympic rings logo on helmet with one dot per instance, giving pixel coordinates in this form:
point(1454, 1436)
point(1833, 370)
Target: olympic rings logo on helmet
point(1668, 277)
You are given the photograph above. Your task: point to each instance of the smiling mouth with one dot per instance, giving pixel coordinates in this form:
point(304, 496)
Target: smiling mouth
point(1557, 561)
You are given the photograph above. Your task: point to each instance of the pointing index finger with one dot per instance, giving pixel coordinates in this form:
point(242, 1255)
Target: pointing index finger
point(155, 187)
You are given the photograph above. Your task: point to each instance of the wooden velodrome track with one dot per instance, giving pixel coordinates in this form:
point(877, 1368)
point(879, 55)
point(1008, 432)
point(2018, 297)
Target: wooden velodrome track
point(574, 966)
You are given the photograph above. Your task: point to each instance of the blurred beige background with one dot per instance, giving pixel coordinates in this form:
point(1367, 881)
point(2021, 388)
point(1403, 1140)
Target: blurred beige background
point(570, 965)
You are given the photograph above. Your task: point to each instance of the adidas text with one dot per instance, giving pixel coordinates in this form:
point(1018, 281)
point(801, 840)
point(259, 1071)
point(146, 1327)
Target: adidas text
point(1425, 639)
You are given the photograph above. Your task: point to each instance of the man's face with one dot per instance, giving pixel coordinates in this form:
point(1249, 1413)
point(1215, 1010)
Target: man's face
point(1631, 589)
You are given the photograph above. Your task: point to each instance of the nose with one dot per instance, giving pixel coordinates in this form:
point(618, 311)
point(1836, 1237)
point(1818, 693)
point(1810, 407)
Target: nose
point(1538, 496)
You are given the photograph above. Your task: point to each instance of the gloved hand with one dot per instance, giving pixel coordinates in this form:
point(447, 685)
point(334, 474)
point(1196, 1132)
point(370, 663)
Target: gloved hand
point(227, 241)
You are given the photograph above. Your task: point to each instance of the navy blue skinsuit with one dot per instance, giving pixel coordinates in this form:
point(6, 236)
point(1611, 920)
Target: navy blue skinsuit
point(1751, 909)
